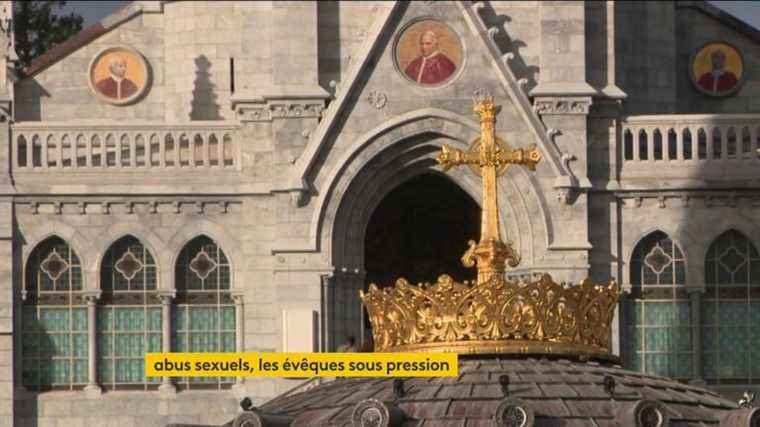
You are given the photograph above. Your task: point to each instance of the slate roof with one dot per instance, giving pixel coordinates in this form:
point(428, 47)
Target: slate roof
point(560, 392)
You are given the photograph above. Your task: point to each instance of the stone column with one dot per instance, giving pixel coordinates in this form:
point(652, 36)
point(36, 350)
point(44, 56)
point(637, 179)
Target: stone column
point(166, 387)
point(92, 389)
point(562, 100)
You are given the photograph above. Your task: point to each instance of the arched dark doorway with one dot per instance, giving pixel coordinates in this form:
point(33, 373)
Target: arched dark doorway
point(420, 231)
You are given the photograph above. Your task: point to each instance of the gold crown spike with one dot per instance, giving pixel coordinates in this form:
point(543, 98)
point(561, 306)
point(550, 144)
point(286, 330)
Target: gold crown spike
point(494, 315)
point(499, 316)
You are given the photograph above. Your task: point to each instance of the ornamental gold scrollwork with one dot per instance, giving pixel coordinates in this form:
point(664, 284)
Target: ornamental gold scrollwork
point(556, 319)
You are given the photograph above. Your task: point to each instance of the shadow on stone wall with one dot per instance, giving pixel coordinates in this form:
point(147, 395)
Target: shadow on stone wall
point(204, 105)
point(508, 45)
point(329, 52)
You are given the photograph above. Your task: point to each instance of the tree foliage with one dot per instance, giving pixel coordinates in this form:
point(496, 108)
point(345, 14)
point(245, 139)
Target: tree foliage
point(38, 26)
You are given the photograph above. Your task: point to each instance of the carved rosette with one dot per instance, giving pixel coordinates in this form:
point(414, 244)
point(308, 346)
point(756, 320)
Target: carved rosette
point(377, 99)
point(537, 316)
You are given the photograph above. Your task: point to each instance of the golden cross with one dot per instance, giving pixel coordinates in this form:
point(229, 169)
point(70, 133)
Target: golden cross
point(489, 157)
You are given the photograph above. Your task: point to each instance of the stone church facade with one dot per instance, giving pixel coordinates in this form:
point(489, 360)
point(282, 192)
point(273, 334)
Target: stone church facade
point(202, 176)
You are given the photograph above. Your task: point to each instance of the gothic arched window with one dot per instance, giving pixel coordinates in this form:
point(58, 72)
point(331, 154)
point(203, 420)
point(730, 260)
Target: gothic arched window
point(129, 319)
point(203, 320)
point(658, 312)
point(54, 319)
point(731, 311)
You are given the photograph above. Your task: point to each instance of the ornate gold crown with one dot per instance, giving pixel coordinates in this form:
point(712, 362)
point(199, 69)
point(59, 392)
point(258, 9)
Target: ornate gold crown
point(493, 315)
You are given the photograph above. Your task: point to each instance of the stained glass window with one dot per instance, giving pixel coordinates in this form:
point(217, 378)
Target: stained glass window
point(54, 319)
point(658, 312)
point(204, 318)
point(129, 317)
point(731, 311)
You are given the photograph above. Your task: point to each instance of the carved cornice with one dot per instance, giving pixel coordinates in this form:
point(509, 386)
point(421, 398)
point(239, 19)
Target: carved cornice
point(257, 111)
point(562, 105)
point(103, 207)
point(728, 199)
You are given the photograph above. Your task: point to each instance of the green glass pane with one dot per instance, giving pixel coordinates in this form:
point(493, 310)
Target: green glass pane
point(54, 319)
point(754, 312)
point(755, 363)
point(121, 371)
point(80, 345)
point(79, 319)
point(179, 343)
point(59, 371)
point(105, 372)
point(732, 313)
point(132, 319)
point(733, 366)
point(154, 343)
point(228, 318)
point(203, 318)
point(683, 366)
point(656, 313)
point(30, 345)
point(137, 345)
point(105, 345)
point(682, 338)
point(710, 364)
point(657, 339)
point(76, 278)
point(105, 319)
point(198, 342)
point(657, 364)
point(709, 339)
point(224, 277)
point(633, 312)
point(46, 345)
point(228, 342)
point(683, 314)
point(636, 336)
point(733, 340)
point(80, 371)
point(29, 373)
point(121, 345)
point(60, 344)
point(709, 313)
point(46, 377)
point(154, 319)
point(179, 318)
point(754, 336)
point(30, 320)
point(137, 370)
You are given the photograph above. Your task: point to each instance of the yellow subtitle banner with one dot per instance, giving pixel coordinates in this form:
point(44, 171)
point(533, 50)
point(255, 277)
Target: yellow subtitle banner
point(301, 365)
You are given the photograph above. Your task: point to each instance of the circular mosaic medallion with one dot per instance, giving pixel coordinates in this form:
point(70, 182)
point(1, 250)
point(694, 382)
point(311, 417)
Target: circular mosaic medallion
point(118, 75)
point(717, 69)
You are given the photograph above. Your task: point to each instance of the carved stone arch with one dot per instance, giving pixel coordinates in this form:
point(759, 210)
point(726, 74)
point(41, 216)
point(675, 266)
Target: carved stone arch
point(464, 180)
point(749, 230)
point(335, 181)
point(70, 235)
point(147, 238)
point(189, 231)
point(367, 188)
point(679, 239)
point(32, 245)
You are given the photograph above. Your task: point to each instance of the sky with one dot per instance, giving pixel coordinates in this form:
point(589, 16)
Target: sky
point(93, 11)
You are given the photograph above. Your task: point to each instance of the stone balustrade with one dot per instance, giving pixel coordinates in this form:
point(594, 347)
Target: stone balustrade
point(45, 147)
point(698, 146)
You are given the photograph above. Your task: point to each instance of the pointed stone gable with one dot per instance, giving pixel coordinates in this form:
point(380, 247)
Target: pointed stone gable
point(369, 83)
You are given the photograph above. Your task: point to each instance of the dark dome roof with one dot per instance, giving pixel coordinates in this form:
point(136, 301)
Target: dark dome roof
point(552, 392)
